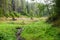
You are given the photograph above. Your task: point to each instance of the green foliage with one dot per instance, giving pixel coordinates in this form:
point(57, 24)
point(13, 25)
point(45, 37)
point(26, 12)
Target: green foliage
point(12, 14)
point(41, 9)
point(39, 31)
point(7, 35)
point(34, 31)
point(8, 31)
point(56, 15)
point(57, 6)
point(1, 11)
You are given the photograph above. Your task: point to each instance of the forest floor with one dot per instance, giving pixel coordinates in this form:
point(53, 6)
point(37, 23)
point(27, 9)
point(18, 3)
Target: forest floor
point(36, 29)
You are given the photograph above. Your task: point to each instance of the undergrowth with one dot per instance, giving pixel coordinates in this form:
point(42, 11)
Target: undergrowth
point(33, 31)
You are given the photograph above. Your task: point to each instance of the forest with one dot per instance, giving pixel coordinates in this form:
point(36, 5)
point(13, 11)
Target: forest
point(29, 20)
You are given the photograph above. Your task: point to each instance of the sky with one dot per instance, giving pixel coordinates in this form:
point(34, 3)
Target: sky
point(39, 1)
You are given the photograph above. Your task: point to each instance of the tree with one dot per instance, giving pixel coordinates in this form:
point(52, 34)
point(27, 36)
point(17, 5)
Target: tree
point(55, 18)
point(3, 7)
point(41, 8)
point(57, 13)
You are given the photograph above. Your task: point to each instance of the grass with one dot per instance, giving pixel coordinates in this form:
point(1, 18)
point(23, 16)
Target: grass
point(34, 31)
point(40, 31)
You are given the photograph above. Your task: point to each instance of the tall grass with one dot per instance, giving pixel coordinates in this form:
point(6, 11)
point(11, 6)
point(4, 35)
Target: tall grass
point(40, 31)
point(34, 31)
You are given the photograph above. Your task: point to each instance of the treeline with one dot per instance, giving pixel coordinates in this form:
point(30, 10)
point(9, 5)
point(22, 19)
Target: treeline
point(55, 17)
point(15, 8)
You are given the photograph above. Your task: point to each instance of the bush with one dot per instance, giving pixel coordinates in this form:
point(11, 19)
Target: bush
point(7, 35)
point(39, 31)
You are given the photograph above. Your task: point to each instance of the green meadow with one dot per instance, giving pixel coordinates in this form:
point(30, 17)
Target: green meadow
point(39, 30)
